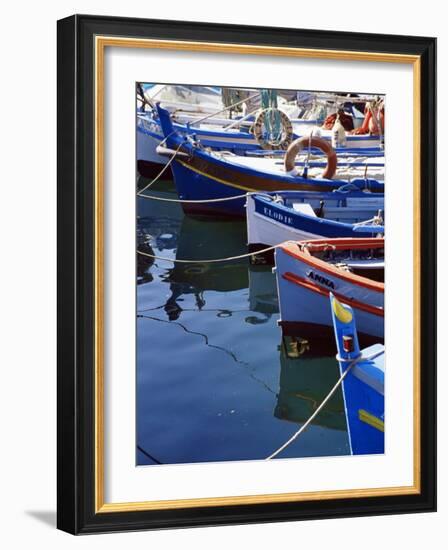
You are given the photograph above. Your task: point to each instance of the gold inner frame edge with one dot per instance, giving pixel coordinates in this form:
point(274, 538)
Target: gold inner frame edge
point(101, 42)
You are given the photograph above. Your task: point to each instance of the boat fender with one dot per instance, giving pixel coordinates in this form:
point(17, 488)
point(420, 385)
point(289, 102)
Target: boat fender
point(286, 134)
point(311, 141)
point(338, 138)
point(320, 212)
point(168, 152)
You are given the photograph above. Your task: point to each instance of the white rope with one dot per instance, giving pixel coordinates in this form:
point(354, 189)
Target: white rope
point(212, 261)
point(163, 199)
point(324, 402)
point(161, 172)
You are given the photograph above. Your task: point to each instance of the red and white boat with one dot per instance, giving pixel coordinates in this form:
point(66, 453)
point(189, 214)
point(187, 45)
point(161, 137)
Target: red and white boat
point(352, 269)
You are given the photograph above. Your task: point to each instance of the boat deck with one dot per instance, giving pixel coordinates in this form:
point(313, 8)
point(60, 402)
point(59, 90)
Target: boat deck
point(352, 167)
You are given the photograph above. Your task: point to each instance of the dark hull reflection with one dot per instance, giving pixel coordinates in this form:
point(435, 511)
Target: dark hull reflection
point(162, 227)
point(202, 240)
point(319, 338)
point(158, 226)
point(304, 384)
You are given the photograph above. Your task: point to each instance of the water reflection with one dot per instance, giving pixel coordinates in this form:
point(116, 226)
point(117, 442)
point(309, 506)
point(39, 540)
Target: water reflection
point(303, 385)
point(195, 240)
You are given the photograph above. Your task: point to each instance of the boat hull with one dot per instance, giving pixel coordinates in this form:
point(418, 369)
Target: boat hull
point(364, 406)
point(263, 229)
point(194, 185)
point(304, 291)
point(149, 162)
point(202, 176)
point(269, 224)
point(362, 374)
point(150, 135)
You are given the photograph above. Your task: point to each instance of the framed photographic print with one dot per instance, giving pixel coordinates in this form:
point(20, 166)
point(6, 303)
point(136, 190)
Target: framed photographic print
point(236, 341)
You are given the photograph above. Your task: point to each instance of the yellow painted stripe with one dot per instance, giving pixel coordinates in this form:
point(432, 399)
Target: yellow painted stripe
point(341, 312)
point(215, 178)
point(371, 420)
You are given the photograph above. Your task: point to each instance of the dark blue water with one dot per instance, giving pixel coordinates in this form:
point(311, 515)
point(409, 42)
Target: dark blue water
point(215, 379)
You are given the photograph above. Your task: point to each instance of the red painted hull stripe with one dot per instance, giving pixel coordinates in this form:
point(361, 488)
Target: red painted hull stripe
point(308, 285)
point(331, 270)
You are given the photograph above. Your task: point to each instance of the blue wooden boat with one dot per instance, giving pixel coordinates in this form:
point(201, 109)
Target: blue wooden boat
point(363, 385)
point(201, 174)
point(273, 218)
point(222, 135)
point(150, 135)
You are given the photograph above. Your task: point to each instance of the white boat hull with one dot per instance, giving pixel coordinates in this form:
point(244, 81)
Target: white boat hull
point(146, 148)
point(304, 290)
point(264, 231)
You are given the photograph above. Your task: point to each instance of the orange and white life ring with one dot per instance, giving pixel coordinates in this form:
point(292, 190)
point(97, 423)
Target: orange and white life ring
point(312, 141)
point(286, 133)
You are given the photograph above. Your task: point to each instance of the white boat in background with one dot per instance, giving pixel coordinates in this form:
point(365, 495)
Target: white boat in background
point(191, 99)
point(202, 114)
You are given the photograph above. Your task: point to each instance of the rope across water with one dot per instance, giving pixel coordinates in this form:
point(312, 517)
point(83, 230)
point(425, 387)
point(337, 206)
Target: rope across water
point(324, 402)
point(183, 201)
point(161, 171)
point(141, 193)
point(209, 261)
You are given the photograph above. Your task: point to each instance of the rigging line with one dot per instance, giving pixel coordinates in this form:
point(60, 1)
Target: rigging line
point(142, 450)
point(225, 109)
point(246, 365)
point(239, 121)
point(143, 97)
point(324, 402)
point(213, 260)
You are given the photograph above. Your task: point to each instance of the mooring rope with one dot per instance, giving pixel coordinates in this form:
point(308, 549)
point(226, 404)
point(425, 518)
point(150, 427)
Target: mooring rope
point(161, 172)
point(187, 201)
point(210, 261)
point(324, 402)
point(163, 199)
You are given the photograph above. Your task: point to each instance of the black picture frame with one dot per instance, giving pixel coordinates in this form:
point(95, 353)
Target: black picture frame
point(76, 224)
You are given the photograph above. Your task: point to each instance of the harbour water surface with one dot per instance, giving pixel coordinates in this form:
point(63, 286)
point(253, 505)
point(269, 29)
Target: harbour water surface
point(215, 379)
